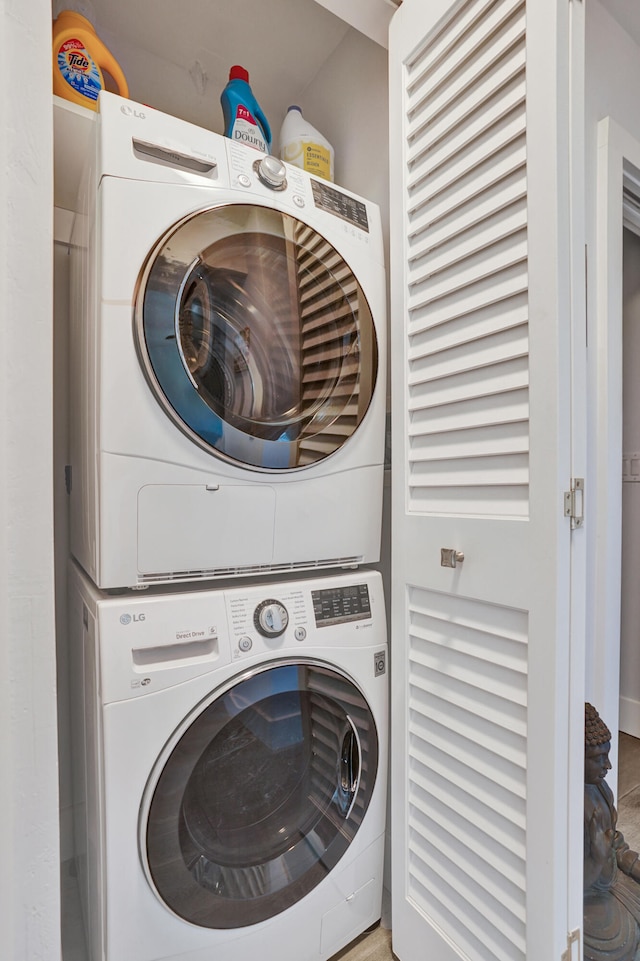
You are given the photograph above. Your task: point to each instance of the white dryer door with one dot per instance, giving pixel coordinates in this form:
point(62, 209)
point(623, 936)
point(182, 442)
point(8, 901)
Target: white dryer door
point(261, 794)
point(256, 337)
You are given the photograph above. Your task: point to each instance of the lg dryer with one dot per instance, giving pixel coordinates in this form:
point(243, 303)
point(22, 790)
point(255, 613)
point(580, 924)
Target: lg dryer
point(230, 767)
point(227, 360)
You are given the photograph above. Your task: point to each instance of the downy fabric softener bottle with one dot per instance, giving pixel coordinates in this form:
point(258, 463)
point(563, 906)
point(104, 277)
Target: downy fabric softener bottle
point(244, 121)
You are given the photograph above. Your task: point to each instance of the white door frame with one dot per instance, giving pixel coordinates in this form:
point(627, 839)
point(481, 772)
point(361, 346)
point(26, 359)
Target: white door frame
point(618, 152)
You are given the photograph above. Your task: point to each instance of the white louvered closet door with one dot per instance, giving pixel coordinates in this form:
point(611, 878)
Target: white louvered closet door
point(481, 318)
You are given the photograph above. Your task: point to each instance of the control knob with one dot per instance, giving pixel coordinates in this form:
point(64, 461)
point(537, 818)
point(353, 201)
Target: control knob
point(271, 618)
point(272, 172)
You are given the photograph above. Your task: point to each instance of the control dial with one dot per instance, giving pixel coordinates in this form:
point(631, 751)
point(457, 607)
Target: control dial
point(271, 618)
point(272, 172)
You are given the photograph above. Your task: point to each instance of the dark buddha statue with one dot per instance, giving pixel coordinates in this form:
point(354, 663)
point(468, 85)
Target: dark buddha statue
point(611, 869)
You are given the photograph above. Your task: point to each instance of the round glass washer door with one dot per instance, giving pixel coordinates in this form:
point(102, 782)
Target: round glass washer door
point(260, 796)
point(256, 337)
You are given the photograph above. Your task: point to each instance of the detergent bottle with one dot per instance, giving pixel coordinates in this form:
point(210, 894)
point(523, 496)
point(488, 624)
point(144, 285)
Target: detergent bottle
point(79, 59)
point(304, 146)
point(244, 121)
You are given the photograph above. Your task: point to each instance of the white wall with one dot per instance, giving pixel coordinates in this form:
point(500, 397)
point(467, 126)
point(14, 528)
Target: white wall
point(612, 85)
point(29, 897)
point(630, 595)
point(180, 63)
point(61, 533)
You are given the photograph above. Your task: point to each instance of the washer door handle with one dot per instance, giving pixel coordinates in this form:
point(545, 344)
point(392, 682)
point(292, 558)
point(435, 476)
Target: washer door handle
point(350, 765)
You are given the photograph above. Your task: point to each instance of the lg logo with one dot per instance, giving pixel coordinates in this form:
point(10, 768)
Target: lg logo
point(127, 618)
point(130, 112)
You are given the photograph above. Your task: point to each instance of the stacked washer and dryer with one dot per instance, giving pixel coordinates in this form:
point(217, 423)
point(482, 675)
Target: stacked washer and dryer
point(229, 655)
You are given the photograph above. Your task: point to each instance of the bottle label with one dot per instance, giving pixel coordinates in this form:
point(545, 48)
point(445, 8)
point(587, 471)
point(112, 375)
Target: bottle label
point(78, 69)
point(312, 157)
point(247, 131)
point(317, 160)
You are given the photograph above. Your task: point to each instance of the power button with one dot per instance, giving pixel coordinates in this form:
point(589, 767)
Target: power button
point(244, 181)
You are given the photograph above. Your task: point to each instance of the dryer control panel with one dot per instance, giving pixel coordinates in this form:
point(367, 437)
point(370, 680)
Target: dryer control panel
point(268, 175)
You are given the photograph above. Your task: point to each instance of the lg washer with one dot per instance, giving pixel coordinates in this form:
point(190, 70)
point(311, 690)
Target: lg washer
point(230, 767)
point(227, 360)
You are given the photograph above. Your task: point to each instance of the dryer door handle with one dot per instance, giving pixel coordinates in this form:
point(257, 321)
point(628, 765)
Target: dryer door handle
point(350, 765)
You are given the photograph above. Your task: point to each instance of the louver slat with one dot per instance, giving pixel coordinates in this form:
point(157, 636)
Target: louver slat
point(457, 113)
point(467, 788)
point(430, 198)
point(467, 262)
point(455, 41)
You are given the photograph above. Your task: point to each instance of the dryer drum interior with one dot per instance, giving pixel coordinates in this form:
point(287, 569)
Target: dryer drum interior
point(261, 795)
point(256, 337)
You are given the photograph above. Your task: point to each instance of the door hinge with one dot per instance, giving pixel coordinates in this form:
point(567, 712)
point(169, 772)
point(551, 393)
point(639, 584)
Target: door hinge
point(574, 502)
point(572, 951)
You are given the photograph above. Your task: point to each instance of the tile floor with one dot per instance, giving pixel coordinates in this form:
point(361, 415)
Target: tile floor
point(629, 790)
point(376, 945)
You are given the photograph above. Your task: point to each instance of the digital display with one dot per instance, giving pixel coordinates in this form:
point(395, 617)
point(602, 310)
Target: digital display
point(334, 202)
point(337, 605)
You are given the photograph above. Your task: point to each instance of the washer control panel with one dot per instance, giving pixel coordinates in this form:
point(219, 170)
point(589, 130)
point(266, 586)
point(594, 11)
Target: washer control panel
point(339, 605)
point(271, 618)
point(164, 639)
point(291, 617)
point(258, 623)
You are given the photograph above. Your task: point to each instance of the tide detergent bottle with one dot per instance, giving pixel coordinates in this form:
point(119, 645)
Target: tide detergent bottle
point(80, 60)
point(244, 121)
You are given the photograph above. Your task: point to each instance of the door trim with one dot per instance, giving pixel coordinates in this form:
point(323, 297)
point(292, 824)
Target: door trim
point(617, 151)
